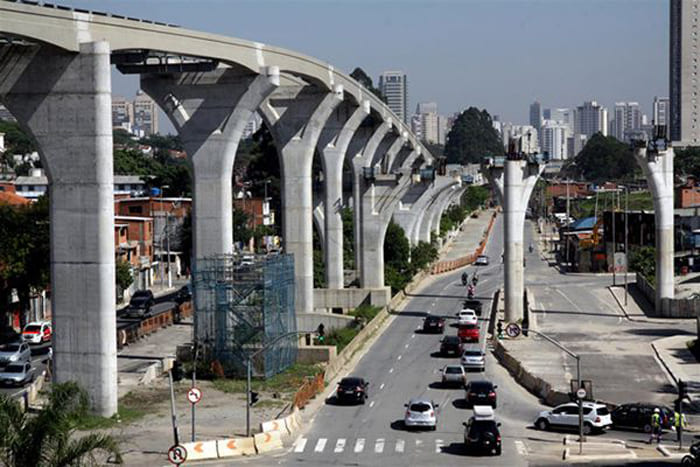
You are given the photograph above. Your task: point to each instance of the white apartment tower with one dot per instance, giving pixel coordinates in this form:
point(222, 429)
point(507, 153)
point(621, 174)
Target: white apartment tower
point(145, 115)
point(683, 72)
point(553, 139)
point(662, 111)
point(394, 88)
point(590, 119)
point(627, 119)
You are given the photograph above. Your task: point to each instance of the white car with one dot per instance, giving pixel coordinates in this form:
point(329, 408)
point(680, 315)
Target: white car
point(37, 332)
point(467, 316)
point(596, 417)
point(482, 260)
point(17, 352)
point(17, 374)
point(421, 413)
point(454, 374)
point(473, 358)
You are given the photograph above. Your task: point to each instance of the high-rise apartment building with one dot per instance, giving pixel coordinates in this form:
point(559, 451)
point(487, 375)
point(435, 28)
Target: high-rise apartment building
point(591, 118)
point(122, 114)
point(683, 72)
point(627, 119)
point(535, 115)
point(145, 115)
point(661, 110)
point(553, 139)
point(428, 125)
point(394, 88)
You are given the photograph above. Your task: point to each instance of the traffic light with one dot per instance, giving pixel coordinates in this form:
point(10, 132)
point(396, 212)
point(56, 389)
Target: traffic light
point(499, 329)
point(321, 333)
point(253, 397)
point(177, 371)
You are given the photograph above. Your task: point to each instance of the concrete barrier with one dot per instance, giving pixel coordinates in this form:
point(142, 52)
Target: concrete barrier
point(274, 425)
point(268, 441)
point(292, 422)
point(201, 450)
point(236, 447)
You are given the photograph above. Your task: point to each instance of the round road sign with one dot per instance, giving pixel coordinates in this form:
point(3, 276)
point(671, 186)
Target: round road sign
point(194, 395)
point(177, 454)
point(581, 393)
point(513, 330)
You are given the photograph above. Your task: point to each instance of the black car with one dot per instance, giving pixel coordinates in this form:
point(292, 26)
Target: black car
point(183, 295)
point(474, 305)
point(434, 324)
point(451, 345)
point(637, 416)
point(9, 336)
point(139, 305)
point(481, 393)
point(352, 389)
point(482, 436)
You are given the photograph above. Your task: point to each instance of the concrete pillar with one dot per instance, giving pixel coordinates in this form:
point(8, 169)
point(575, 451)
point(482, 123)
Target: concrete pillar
point(454, 194)
point(412, 208)
point(333, 144)
point(210, 111)
point(432, 212)
point(657, 165)
point(64, 100)
point(295, 116)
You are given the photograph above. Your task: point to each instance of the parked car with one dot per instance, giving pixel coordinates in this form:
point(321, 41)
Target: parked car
point(17, 352)
point(17, 374)
point(481, 431)
point(637, 416)
point(434, 324)
point(9, 336)
point(482, 260)
point(352, 389)
point(473, 304)
point(473, 358)
point(481, 393)
point(421, 413)
point(453, 374)
point(451, 345)
point(468, 333)
point(37, 332)
point(467, 316)
point(596, 417)
point(140, 304)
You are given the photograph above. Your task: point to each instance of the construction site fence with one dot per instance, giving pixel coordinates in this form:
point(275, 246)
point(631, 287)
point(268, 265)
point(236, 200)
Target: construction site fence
point(312, 386)
point(452, 264)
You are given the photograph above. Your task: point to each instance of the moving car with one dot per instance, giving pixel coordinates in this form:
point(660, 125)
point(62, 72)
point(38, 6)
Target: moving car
point(473, 358)
point(352, 389)
point(17, 374)
point(421, 413)
point(481, 431)
point(37, 332)
point(9, 336)
point(482, 260)
point(140, 304)
point(596, 417)
point(637, 416)
point(468, 333)
point(481, 393)
point(434, 324)
point(467, 316)
point(17, 352)
point(451, 345)
point(453, 374)
point(473, 304)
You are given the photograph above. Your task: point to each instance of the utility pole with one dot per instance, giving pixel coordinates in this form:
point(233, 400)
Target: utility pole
point(568, 224)
point(627, 258)
point(614, 239)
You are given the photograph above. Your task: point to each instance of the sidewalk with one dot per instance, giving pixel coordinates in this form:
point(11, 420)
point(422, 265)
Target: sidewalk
point(469, 236)
point(680, 363)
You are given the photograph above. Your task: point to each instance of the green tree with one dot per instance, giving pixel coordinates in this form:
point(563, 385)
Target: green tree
point(422, 255)
point(397, 269)
point(17, 141)
point(687, 161)
point(363, 78)
point(643, 261)
point(472, 138)
point(474, 197)
point(603, 158)
point(241, 232)
point(124, 277)
point(348, 238)
point(47, 439)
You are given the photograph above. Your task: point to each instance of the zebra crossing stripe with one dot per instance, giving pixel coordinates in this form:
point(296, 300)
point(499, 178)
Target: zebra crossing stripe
point(320, 445)
point(339, 445)
point(438, 446)
point(300, 445)
point(399, 445)
point(359, 445)
point(520, 446)
point(379, 446)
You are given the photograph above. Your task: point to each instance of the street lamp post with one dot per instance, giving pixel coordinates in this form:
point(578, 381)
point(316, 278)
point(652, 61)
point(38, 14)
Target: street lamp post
point(165, 230)
point(627, 257)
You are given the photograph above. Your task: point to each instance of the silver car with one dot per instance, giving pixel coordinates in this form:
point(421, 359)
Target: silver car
point(473, 358)
point(453, 374)
point(17, 352)
point(17, 374)
point(421, 413)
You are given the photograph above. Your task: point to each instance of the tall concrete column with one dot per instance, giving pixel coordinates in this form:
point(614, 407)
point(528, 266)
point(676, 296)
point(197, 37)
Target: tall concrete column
point(333, 144)
point(295, 116)
point(210, 111)
point(657, 164)
point(454, 194)
point(64, 100)
point(433, 212)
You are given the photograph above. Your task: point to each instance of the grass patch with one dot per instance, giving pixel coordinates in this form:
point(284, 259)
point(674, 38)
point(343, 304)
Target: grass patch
point(365, 312)
point(341, 337)
point(131, 408)
point(286, 382)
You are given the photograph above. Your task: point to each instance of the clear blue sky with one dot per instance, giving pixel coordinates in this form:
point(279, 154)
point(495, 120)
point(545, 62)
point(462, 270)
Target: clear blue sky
point(496, 54)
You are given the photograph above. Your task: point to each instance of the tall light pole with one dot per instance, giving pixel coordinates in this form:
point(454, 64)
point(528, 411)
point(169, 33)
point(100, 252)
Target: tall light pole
point(627, 257)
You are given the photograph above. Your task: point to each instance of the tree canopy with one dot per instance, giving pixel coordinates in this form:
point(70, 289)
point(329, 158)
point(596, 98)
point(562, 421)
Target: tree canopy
point(603, 158)
point(472, 138)
point(363, 78)
point(687, 161)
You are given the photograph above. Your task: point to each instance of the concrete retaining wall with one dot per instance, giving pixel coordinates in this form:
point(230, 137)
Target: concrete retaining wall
point(350, 298)
point(310, 321)
point(316, 354)
point(676, 308)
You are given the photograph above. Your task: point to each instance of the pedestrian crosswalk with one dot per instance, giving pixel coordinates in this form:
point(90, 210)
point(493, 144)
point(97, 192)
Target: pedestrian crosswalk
point(380, 446)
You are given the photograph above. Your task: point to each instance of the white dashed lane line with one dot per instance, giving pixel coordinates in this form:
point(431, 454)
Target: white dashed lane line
point(381, 386)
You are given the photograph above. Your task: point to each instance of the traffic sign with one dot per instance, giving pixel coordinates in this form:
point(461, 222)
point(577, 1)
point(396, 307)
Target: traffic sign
point(194, 395)
point(177, 454)
point(513, 330)
point(581, 393)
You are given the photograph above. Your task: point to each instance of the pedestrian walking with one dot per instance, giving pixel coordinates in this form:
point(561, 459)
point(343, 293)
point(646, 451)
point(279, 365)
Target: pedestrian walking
point(678, 422)
point(655, 426)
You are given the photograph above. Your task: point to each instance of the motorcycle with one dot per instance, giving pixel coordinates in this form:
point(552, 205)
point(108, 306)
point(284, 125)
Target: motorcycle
point(694, 457)
point(475, 279)
point(470, 292)
point(464, 278)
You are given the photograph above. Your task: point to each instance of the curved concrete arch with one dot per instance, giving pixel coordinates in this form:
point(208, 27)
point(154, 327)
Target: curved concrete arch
point(455, 196)
point(432, 211)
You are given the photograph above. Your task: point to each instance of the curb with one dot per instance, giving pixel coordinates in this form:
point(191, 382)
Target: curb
point(667, 453)
point(663, 362)
point(596, 457)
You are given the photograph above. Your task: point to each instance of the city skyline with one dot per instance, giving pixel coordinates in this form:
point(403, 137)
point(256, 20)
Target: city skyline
point(478, 64)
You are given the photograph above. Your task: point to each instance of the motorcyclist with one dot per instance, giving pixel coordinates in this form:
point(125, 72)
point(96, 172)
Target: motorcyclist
point(470, 291)
point(531, 247)
point(475, 279)
point(465, 276)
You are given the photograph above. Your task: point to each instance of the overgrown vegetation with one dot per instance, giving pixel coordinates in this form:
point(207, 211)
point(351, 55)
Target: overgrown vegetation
point(286, 382)
point(643, 261)
point(341, 337)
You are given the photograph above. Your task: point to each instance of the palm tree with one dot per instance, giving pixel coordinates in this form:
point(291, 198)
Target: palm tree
point(46, 439)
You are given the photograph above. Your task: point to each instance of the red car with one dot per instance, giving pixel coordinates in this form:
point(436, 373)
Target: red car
point(468, 333)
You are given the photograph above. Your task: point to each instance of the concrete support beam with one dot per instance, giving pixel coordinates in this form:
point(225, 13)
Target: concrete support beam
point(296, 116)
point(432, 211)
point(452, 198)
point(657, 164)
point(210, 111)
point(64, 100)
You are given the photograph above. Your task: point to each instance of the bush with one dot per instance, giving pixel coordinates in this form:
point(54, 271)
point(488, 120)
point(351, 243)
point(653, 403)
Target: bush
point(422, 255)
point(395, 279)
point(341, 337)
point(365, 312)
point(643, 261)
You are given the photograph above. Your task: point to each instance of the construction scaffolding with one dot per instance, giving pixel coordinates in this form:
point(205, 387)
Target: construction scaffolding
point(242, 303)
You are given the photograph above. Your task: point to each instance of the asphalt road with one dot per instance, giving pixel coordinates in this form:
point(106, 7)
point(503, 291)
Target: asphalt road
point(39, 359)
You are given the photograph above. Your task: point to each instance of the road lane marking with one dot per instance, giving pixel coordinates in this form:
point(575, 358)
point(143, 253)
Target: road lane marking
point(379, 446)
point(438, 445)
point(300, 444)
point(320, 445)
point(413, 336)
point(359, 445)
point(371, 404)
point(399, 445)
point(391, 370)
point(419, 444)
point(520, 446)
point(381, 386)
point(405, 346)
point(399, 357)
point(339, 445)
